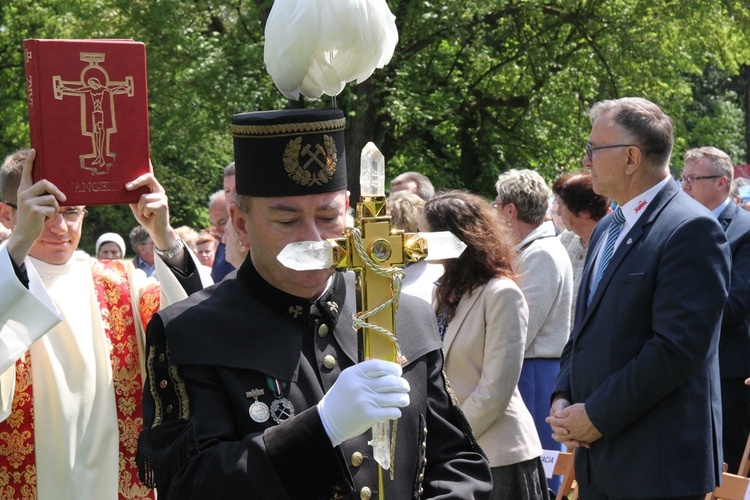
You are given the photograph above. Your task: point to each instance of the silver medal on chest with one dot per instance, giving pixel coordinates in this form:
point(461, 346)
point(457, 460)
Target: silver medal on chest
point(258, 411)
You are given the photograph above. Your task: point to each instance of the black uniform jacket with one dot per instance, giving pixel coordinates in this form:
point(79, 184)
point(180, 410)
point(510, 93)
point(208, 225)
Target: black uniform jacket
point(734, 343)
point(210, 355)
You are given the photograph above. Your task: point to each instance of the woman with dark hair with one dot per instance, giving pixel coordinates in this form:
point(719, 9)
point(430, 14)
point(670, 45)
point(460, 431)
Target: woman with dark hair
point(581, 209)
point(483, 316)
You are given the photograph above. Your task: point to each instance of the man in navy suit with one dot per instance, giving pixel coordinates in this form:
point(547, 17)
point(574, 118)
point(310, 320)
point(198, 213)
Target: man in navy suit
point(707, 177)
point(638, 391)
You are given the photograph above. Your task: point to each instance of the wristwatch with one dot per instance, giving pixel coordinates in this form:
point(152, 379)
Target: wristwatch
point(172, 251)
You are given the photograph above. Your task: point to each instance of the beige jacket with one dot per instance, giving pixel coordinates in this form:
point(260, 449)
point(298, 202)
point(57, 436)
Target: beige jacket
point(484, 347)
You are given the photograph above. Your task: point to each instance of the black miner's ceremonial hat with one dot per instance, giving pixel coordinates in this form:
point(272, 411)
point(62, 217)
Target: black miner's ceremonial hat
point(289, 152)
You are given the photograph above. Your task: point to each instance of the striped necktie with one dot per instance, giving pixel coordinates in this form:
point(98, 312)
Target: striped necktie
point(615, 225)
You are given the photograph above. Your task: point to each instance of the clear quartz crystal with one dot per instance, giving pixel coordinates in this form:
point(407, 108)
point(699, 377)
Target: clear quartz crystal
point(372, 171)
point(381, 443)
point(443, 245)
point(307, 255)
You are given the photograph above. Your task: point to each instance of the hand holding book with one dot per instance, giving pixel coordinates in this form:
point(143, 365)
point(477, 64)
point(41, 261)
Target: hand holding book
point(36, 203)
point(41, 213)
point(152, 210)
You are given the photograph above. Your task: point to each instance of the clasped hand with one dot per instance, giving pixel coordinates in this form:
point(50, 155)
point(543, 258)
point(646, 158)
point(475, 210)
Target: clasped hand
point(571, 424)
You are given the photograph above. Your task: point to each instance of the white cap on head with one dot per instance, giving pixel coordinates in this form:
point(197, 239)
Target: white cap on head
point(114, 238)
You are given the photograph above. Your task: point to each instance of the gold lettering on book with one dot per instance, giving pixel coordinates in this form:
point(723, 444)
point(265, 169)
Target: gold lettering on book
point(30, 91)
point(29, 80)
point(96, 93)
point(91, 187)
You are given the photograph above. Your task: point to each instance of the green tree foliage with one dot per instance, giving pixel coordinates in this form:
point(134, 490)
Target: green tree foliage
point(715, 115)
point(478, 87)
point(475, 87)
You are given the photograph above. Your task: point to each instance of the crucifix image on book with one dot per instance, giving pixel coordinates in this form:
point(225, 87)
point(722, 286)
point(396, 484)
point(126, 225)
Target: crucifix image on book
point(98, 121)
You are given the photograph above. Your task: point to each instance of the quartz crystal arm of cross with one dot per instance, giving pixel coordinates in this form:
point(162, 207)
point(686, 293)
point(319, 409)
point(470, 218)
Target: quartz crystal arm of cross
point(335, 253)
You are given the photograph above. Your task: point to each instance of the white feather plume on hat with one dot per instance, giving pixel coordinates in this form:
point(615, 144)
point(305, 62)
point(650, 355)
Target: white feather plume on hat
point(316, 47)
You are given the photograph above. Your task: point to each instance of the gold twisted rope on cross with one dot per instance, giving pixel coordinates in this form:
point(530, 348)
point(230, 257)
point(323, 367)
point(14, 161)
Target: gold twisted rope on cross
point(397, 276)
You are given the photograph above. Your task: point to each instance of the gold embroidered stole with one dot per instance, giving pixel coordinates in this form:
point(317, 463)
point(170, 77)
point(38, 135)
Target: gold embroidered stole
point(17, 464)
point(113, 292)
point(17, 459)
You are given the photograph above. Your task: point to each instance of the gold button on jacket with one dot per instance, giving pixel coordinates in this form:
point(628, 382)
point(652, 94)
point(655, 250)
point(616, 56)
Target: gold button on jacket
point(357, 459)
point(329, 362)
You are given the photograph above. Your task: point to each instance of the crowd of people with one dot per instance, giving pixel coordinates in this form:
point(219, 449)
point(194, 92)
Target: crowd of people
point(606, 313)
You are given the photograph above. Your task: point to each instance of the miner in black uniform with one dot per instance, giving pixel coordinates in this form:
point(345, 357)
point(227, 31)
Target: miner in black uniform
point(253, 387)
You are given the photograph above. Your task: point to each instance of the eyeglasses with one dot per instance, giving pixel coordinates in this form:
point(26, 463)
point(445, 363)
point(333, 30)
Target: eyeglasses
point(497, 204)
point(590, 150)
point(69, 214)
point(691, 178)
point(73, 214)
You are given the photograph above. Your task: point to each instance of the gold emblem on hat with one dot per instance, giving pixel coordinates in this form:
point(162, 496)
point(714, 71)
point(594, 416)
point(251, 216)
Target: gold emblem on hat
point(298, 161)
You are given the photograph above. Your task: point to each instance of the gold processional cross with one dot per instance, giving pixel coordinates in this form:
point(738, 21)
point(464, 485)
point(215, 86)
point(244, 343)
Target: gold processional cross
point(376, 253)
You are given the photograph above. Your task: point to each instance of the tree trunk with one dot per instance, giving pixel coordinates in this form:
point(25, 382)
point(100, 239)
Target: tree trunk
point(360, 130)
point(470, 167)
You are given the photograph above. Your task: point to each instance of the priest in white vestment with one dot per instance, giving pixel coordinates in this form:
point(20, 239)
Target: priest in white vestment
point(51, 307)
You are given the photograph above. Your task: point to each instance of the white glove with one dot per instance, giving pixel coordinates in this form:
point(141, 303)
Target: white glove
point(363, 394)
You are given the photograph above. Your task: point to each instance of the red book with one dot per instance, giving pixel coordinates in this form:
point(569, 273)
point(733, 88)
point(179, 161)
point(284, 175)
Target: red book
point(88, 117)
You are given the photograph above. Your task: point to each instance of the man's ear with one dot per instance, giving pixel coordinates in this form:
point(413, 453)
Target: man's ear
point(634, 160)
point(239, 223)
point(722, 185)
point(6, 216)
